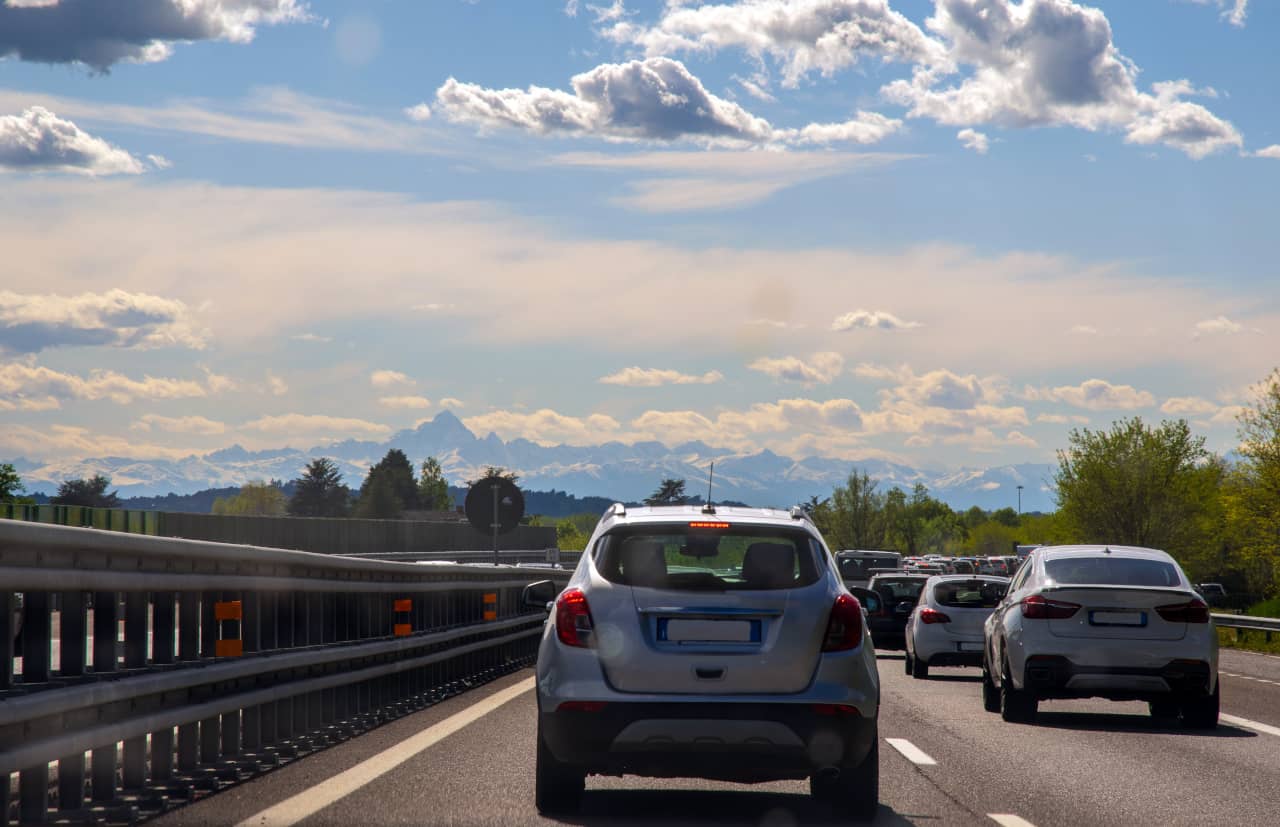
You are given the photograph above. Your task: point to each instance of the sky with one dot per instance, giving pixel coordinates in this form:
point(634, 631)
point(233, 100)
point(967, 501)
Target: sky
point(944, 232)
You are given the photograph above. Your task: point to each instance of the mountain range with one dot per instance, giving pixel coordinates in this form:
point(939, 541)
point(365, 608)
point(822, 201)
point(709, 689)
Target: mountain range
point(612, 469)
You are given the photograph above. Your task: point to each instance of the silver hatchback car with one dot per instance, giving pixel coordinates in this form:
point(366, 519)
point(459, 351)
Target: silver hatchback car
point(714, 644)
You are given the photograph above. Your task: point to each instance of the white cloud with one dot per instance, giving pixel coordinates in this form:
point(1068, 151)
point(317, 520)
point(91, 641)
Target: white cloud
point(820, 368)
point(637, 377)
point(40, 141)
point(66, 442)
point(1188, 406)
point(405, 402)
point(1094, 395)
point(199, 425)
point(31, 322)
point(312, 338)
point(450, 403)
point(1062, 419)
point(276, 385)
point(571, 8)
point(800, 36)
point(78, 32)
point(1051, 63)
point(871, 320)
point(975, 140)
point(419, 112)
point(304, 427)
point(26, 383)
point(1084, 330)
point(1217, 326)
point(545, 426)
point(1232, 11)
point(656, 99)
point(390, 379)
point(756, 88)
point(1272, 151)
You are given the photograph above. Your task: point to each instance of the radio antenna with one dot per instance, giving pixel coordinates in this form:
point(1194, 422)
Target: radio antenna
point(709, 508)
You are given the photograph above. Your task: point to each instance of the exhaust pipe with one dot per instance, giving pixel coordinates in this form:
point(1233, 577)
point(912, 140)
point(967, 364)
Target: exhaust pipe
point(828, 773)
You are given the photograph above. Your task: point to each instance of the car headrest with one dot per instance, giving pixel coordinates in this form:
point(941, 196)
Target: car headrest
point(769, 565)
point(644, 563)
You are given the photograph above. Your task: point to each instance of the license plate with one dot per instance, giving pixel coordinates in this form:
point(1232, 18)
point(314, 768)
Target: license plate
point(970, 647)
point(676, 630)
point(1118, 618)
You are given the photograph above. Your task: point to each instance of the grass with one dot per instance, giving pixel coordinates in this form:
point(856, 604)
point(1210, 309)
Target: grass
point(1249, 640)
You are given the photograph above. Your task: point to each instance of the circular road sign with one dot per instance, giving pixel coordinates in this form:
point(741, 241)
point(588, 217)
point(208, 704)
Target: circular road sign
point(480, 505)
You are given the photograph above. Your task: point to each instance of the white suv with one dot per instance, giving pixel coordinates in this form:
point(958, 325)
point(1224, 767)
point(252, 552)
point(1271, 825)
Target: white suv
point(714, 644)
point(1102, 621)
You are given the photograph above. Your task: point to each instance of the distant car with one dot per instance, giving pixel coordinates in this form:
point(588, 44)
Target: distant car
point(945, 628)
point(716, 645)
point(856, 565)
point(1102, 621)
point(899, 593)
point(1213, 593)
point(964, 567)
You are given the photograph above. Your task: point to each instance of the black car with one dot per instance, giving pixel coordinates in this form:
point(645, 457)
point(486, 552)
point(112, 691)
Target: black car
point(898, 595)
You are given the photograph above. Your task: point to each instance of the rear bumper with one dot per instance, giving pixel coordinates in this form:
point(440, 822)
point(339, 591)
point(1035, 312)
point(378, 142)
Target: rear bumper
point(887, 633)
point(1054, 676)
point(744, 742)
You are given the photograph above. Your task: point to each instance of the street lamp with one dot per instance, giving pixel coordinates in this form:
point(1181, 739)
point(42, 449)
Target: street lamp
point(1019, 500)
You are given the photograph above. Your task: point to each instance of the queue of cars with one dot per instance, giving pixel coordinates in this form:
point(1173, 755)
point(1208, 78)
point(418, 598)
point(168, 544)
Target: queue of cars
point(727, 643)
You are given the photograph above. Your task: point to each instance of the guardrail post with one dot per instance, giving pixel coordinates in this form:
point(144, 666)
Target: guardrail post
point(104, 773)
point(135, 762)
point(106, 632)
point(162, 754)
point(135, 630)
point(162, 627)
point(188, 747)
point(72, 639)
point(210, 740)
point(189, 626)
point(208, 624)
point(37, 650)
point(7, 606)
point(33, 794)
point(251, 621)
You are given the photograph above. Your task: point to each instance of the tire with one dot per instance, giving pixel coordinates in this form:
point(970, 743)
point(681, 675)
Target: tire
point(1202, 713)
point(990, 694)
point(1167, 709)
point(1017, 706)
point(919, 668)
point(558, 787)
point(856, 791)
point(906, 661)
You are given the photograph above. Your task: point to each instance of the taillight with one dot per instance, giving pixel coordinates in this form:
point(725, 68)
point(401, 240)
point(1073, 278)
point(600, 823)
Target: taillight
point(844, 629)
point(1039, 607)
point(573, 618)
point(928, 615)
point(835, 710)
point(1193, 611)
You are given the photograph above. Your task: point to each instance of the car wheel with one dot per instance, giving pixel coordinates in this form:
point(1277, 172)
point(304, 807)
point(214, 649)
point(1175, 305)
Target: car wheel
point(558, 786)
point(1164, 709)
point(856, 791)
point(919, 668)
point(906, 661)
point(1201, 713)
point(1017, 706)
point(990, 694)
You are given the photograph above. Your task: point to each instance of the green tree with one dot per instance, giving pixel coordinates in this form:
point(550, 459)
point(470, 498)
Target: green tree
point(395, 473)
point(91, 492)
point(991, 539)
point(378, 497)
point(256, 499)
point(433, 488)
point(1138, 485)
point(1006, 516)
point(492, 471)
point(319, 492)
point(1252, 499)
point(853, 517)
point(10, 483)
point(669, 492)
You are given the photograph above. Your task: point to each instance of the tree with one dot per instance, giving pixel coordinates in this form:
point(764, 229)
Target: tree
point(1137, 485)
point(393, 472)
point(378, 497)
point(669, 492)
point(91, 492)
point(319, 492)
point(492, 471)
point(433, 488)
point(1252, 496)
point(10, 483)
point(256, 499)
point(854, 515)
point(1006, 516)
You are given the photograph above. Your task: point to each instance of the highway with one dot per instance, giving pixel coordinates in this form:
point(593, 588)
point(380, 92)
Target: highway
point(944, 761)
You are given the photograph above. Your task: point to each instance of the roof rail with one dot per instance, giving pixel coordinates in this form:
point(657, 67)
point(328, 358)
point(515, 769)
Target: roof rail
point(616, 510)
point(798, 513)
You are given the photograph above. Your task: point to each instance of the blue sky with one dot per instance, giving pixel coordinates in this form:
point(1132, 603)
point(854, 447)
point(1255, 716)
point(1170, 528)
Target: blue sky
point(943, 232)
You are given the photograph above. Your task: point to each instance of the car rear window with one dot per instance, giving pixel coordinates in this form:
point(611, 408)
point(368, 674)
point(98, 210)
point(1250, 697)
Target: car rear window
point(977, 594)
point(682, 558)
point(896, 590)
point(1111, 571)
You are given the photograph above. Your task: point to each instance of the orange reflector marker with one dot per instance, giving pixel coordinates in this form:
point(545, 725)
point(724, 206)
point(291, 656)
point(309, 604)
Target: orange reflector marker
point(403, 629)
point(404, 606)
point(490, 605)
point(229, 610)
point(229, 648)
point(703, 524)
point(490, 597)
point(490, 614)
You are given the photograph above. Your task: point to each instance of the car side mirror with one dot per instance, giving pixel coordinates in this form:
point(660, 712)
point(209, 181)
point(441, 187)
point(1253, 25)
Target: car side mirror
point(539, 595)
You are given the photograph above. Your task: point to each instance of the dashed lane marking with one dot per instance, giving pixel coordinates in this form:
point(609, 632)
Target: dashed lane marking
point(1247, 724)
point(308, 802)
point(910, 751)
point(1009, 820)
point(1247, 677)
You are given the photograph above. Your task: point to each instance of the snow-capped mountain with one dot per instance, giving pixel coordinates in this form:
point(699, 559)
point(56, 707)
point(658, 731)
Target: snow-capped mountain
point(612, 469)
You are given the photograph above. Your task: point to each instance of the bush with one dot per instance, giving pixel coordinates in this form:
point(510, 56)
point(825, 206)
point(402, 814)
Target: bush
point(1267, 608)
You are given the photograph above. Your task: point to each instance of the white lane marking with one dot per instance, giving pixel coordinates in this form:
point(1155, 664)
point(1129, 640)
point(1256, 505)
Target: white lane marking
point(307, 803)
point(1247, 724)
point(910, 751)
point(1009, 820)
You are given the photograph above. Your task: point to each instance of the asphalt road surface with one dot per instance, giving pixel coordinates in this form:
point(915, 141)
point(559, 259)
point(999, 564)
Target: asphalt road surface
point(943, 761)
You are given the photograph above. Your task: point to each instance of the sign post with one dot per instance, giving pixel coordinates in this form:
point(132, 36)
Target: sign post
point(494, 506)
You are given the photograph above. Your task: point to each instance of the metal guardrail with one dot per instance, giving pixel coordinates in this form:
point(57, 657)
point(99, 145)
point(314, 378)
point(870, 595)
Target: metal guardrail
point(251, 656)
point(1260, 624)
point(553, 556)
